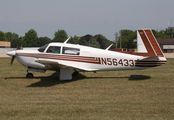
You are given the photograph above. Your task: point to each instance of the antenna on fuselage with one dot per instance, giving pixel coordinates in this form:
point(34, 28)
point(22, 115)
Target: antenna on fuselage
point(67, 40)
point(108, 47)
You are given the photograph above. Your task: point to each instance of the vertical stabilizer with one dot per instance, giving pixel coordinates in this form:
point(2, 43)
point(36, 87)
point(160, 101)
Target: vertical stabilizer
point(147, 43)
point(140, 44)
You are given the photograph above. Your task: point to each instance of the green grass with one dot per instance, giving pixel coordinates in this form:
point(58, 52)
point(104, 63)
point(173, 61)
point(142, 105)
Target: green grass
point(137, 94)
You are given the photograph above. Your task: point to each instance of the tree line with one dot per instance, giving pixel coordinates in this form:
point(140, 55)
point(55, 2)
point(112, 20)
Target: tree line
point(30, 39)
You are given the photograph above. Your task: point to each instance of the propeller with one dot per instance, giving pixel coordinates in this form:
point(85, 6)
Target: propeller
point(12, 54)
point(12, 59)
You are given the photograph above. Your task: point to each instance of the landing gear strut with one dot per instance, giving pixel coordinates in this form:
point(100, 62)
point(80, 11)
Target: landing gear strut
point(29, 75)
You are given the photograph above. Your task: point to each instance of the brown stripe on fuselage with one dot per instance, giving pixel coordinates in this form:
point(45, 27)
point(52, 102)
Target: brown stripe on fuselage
point(93, 60)
point(149, 63)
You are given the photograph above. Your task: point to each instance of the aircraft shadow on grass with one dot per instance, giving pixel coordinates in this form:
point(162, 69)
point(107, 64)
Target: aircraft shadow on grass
point(131, 78)
point(138, 77)
point(54, 79)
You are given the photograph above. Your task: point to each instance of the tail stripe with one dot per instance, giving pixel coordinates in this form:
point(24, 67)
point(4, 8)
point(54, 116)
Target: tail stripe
point(151, 46)
point(148, 45)
point(153, 42)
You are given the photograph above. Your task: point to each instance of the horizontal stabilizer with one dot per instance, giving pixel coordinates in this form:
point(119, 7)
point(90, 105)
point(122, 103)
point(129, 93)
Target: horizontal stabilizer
point(152, 61)
point(151, 58)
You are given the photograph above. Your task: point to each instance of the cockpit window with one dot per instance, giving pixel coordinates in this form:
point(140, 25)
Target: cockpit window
point(71, 51)
point(42, 49)
point(54, 49)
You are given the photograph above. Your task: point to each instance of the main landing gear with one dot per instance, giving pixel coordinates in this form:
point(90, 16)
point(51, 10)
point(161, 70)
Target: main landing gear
point(75, 73)
point(29, 75)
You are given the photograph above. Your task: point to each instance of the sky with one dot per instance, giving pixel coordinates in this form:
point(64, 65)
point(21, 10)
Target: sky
point(81, 17)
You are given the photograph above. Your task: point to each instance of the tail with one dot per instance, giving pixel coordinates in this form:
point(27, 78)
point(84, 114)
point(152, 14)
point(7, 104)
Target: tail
point(148, 47)
point(147, 43)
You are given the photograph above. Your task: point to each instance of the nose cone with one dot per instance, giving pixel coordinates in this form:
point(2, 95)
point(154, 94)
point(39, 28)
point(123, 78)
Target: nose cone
point(11, 53)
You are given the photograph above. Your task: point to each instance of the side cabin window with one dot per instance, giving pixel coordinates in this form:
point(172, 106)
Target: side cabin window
point(71, 51)
point(54, 49)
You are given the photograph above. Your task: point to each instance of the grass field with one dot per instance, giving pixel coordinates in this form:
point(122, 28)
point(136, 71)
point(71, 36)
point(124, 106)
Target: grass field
point(137, 94)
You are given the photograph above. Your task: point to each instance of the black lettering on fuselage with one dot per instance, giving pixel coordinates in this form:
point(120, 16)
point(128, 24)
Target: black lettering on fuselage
point(118, 62)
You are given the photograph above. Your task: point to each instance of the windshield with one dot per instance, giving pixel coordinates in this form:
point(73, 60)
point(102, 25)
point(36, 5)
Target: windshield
point(42, 49)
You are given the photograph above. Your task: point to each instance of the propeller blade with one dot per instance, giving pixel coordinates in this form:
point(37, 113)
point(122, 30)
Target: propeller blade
point(12, 59)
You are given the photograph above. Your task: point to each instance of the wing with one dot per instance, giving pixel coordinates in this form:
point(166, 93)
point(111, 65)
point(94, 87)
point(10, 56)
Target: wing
point(49, 65)
point(64, 64)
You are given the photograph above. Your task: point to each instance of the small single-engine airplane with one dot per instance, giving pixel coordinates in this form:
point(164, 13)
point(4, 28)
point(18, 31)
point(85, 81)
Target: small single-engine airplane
point(69, 59)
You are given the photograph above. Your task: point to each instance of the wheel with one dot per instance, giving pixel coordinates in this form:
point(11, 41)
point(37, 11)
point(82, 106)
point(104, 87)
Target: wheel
point(75, 73)
point(29, 75)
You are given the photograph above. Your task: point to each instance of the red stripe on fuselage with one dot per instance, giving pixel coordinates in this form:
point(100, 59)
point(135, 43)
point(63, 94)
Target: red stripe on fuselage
point(149, 63)
point(94, 60)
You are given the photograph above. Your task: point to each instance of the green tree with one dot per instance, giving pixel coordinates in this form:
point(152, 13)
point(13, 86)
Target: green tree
point(127, 37)
point(14, 39)
point(82, 41)
point(161, 33)
point(42, 41)
point(60, 36)
point(15, 36)
point(2, 36)
point(17, 42)
point(31, 38)
point(93, 42)
point(103, 41)
point(76, 39)
point(9, 36)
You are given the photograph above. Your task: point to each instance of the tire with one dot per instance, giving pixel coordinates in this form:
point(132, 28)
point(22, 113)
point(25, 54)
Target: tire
point(29, 75)
point(75, 73)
